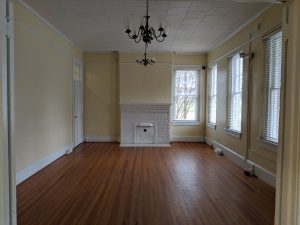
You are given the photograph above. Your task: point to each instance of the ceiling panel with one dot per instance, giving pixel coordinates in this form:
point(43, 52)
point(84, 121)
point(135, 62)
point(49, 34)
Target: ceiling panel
point(99, 25)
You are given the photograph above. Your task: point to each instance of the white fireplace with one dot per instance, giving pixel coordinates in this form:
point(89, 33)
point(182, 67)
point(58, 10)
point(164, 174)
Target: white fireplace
point(145, 125)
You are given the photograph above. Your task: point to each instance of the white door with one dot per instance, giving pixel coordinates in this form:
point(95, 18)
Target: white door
point(77, 103)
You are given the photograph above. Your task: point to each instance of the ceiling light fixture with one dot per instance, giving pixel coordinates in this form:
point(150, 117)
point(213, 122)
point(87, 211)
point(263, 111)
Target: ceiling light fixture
point(145, 60)
point(146, 32)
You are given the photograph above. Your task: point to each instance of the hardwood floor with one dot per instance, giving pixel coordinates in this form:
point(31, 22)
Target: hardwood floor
point(102, 184)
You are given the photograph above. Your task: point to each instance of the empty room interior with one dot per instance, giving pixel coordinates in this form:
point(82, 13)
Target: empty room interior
point(150, 112)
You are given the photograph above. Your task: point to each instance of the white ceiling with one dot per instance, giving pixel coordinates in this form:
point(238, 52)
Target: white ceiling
point(193, 26)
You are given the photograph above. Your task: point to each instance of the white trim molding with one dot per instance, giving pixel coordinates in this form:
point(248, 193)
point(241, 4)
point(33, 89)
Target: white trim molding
point(77, 63)
point(232, 133)
point(287, 210)
point(269, 145)
point(38, 165)
point(101, 139)
point(186, 123)
point(145, 145)
point(117, 139)
point(187, 139)
point(211, 125)
point(259, 171)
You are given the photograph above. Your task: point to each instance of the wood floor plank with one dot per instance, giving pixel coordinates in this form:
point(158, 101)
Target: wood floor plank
point(103, 184)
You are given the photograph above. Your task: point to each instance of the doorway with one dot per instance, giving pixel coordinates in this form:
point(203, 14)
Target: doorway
point(77, 103)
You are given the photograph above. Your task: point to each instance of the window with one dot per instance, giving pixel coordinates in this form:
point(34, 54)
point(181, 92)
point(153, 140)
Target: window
point(186, 95)
point(212, 95)
point(273, 49)
point(235, 99)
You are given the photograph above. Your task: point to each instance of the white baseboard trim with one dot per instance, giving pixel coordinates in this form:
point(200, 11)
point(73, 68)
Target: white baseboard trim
point(259, 171)
point(101, 139)
point(187, 139)
point(117, 139)
point(145, 145)
point(38, 165)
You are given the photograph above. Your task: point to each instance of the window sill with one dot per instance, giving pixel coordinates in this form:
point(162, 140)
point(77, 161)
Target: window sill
point(233, 133)
point(269, 145)
point(185, 123)
point(211, 125)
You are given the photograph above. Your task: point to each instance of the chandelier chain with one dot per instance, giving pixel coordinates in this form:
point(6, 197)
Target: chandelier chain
point(147, 7)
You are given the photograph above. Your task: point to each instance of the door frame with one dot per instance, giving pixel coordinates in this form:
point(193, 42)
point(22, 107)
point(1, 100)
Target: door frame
point(78, 62)
point(288, 161)
point(8, 114)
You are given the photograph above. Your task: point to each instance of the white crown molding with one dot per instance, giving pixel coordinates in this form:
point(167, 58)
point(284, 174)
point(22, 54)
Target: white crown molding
point(240, 28)
point(259, 171)
point(40, 164)
point(35, 13)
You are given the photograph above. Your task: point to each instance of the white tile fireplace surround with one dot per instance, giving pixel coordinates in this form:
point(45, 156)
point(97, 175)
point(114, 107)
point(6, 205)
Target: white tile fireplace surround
point(145, 125)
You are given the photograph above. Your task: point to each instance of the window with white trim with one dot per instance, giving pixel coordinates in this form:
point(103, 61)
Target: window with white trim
point(212, 95)
point(273, 51)
point(235, 98)
point(186, 95)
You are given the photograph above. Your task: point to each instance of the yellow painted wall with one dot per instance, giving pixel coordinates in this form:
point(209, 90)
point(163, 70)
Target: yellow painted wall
point(43, 88)
point(145, 85)
point(101, 94)
point(111, 78)
point(265, 158)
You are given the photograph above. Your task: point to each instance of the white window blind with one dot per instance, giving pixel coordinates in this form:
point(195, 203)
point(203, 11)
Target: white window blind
point(235, 93)
point(186, 95)
point(212, 95)
point(273, 49)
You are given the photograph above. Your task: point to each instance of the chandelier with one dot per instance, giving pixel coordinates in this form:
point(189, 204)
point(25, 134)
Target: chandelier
point(145, 60)
point(146, 32)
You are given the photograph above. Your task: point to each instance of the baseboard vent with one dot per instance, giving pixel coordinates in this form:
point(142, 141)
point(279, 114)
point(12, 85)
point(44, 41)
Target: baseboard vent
point(218, 151)
point(249, 169)
point(69, 151)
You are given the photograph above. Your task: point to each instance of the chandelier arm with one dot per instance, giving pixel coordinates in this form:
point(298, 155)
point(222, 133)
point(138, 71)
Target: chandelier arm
point(140, 35)
point(160, 38)
point(157, 36)
point(147, 33)
point(138, 40)
point(140, 32)
point(152, 31)
point(131, 37)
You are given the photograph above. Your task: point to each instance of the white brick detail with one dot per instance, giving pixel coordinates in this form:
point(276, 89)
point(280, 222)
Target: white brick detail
point(133, 114)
